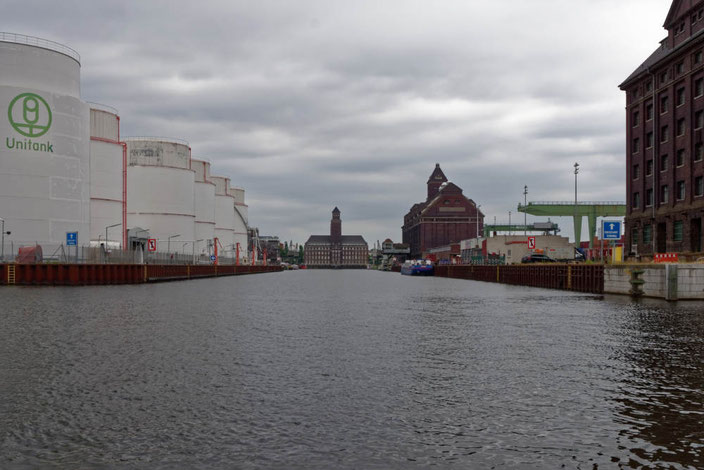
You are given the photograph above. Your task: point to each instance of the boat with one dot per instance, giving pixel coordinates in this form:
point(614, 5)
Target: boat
point(417, 268)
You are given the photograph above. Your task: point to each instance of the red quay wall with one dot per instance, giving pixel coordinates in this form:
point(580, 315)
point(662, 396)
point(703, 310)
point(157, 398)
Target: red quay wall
point(579, 278)
point(104, 274)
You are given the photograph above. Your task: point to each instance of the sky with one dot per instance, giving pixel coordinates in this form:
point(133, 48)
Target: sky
point(312, 104)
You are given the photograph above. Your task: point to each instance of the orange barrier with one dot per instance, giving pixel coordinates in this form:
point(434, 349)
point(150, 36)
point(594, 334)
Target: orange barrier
point(665, 258)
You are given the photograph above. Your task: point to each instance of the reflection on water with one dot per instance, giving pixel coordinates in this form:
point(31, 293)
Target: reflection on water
point(335, 369)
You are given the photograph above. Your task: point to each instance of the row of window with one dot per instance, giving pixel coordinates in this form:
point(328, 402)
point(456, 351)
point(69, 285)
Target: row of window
point(679, 69)
point(665, 193)
point(680, 96)
point(680, 160)
point(677, 233)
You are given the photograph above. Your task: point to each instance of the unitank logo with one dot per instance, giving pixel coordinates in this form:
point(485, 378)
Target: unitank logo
point(30, 115)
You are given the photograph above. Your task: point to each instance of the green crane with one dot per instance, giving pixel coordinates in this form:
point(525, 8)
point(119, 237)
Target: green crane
point(591, 210)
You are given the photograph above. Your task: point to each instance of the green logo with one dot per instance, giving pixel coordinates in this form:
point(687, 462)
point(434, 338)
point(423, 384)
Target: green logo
point(29, 114)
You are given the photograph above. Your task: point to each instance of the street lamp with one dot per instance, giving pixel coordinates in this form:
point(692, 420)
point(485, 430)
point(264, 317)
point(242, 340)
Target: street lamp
point(168, 242)
point(2, 255)
point(106, 233)
point(478, 223)
point(576, 236)
point(509, 222)
point(525, 213)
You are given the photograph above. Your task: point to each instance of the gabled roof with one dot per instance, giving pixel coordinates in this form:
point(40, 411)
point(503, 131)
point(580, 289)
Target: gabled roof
point(346, 239)
point(673, 15)
point(437, 175)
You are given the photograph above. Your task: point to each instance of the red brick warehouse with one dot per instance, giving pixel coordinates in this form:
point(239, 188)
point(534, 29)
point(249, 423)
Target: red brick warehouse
point(665, 145)
point(446, 216)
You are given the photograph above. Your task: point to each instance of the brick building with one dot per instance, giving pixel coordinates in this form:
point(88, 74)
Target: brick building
point(446, 217)
point(336, 250)
point(665, 145)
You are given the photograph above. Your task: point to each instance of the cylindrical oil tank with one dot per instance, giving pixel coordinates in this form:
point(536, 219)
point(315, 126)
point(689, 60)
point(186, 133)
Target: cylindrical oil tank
point(160, 190)
point(204, 205)
point(45, 133)
point(224, 215)
point(107, 160)
point(241, 217)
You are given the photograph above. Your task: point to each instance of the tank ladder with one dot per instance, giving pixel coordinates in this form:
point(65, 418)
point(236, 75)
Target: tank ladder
point(10, 274)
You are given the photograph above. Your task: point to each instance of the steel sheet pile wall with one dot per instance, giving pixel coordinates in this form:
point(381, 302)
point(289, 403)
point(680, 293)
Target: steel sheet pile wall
point(44, 158)
point(580, 278)
point(106, 175)
point(103, 274)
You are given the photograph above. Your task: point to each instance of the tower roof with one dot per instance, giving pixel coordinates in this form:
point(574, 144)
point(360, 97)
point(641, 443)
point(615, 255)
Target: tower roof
point(437, 176)
point(336, 210)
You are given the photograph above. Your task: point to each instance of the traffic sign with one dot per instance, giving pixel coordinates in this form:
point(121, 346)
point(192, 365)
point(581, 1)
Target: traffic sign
point(151, 244)
point(531, 243)
point(610, 229)
point(71, 238)
point(212, 257)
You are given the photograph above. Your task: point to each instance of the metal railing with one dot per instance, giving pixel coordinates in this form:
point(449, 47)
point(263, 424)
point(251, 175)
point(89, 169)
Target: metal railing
point(571, 203)
point(103, 107)
point(39, 42)
point(170, 140)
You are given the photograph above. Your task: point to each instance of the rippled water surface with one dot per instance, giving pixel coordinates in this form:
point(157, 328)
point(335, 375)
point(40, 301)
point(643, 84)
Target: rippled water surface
point(347, 369)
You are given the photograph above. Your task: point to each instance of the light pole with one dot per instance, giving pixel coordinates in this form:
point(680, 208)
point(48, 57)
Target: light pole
point(525, 214)
point(106, 233)
point(576, 236)
point(168, 242)
point(509, 223)
point(2, 256)
point(478, 223)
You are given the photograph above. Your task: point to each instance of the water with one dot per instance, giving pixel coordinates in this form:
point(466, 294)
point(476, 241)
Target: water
point(347, 369)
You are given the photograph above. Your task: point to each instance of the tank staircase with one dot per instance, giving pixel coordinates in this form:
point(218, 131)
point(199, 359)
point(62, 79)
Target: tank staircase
point(11, 274)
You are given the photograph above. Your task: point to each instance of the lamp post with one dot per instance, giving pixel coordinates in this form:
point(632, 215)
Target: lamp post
point(106, 233)
point(509, 223)
point(2, 256)
point(478, 222)
point(577, 237)
point(525, 214)
point(168, 242)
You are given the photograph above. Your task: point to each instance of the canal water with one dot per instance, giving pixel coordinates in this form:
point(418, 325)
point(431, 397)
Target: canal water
point(347, 369)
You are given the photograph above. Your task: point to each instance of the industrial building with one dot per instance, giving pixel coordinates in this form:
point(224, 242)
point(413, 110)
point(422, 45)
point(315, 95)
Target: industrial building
point(336, 250)
point(65, 169)
point(446, 217)
point(665, 146)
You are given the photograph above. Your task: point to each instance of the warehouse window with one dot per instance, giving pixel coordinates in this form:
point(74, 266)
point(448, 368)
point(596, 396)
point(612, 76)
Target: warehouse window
point(699, 186)
point(634, 236)
point(647, 234)
point(649, 197)
point(680, 157)
point(678, 231)
point(664, 194)
point(680, 96)
point(636, 200)
point(664, 162)
point(699, 87)
point(680, 127)
point(680, 190)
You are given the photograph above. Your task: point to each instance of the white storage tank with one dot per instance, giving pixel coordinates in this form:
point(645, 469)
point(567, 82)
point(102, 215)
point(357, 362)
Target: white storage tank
point(44, 159)
point(241, 218)
point(107, 175)
point(204, 205)
point(224, 216)
point(160, 190)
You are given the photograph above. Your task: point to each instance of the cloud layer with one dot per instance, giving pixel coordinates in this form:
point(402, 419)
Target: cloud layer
point(316, 104)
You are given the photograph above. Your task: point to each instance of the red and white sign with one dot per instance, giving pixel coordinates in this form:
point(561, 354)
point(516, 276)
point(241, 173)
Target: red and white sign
point(531, 243)
point(151, 244)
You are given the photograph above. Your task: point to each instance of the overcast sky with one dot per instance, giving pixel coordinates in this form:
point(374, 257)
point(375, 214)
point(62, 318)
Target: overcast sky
point(314, 104)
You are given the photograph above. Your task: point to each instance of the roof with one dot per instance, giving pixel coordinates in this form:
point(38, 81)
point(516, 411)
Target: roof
point(437, 174)
point(660, 54)
point(346, 239)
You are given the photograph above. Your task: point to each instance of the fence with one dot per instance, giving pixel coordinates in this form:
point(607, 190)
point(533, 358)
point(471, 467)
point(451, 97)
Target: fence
point(100, 255)
point(574, 277)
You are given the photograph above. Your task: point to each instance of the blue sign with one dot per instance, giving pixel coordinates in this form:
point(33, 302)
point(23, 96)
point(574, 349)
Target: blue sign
point(212, 257)
point(610, 229)
point(71, 238)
